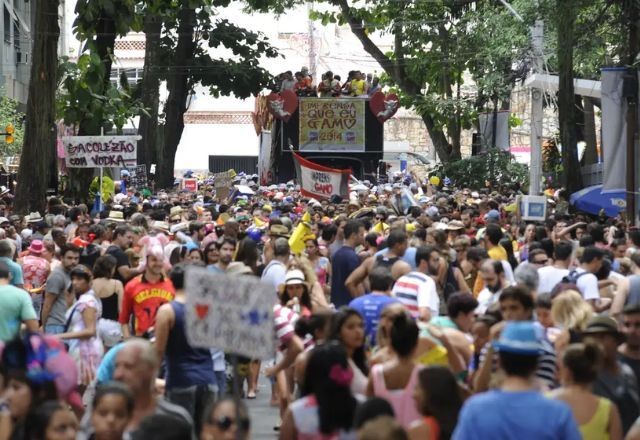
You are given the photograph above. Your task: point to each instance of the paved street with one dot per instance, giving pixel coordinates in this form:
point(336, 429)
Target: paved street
point(263, 416)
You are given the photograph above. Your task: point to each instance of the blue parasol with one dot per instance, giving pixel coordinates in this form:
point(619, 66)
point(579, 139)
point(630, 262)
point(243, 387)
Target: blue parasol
point(592, 200)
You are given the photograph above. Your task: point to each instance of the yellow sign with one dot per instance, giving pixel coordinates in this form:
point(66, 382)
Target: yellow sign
point(330, 124)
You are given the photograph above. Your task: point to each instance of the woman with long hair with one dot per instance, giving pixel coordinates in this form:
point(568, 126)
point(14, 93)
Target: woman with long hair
point(81, 330)
point(382, 351)
point(507, 244)
point(295, 293)
point(570, 314)
point(211, 254)
point(318, 326)
point(597, 417)
point(328, 406)
point(248, 254)
point(438, 398)
point(347, 328)
point(110, 292)
point(320, 264)
point(52, 420)
point(527, 236)
point(318, 297)
point(395, 379)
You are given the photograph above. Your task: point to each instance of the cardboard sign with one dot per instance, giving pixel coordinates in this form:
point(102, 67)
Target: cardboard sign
point(332, 124)
point(320, 182)
point(190, 184)
point(234, 314)
point(222, 180)
point(533, 208)
point(138, 176)
point(100, 151)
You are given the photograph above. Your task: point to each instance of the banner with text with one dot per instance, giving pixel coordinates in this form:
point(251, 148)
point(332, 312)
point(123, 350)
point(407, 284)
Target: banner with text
point(332, 124)
point(100, 151)
point(321, 182)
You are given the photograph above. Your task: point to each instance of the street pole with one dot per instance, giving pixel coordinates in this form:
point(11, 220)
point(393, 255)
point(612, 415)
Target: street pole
point(630, 91)
point(535, 139)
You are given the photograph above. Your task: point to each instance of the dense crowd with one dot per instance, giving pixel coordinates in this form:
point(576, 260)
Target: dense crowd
point(407, 311)
point(302, 83)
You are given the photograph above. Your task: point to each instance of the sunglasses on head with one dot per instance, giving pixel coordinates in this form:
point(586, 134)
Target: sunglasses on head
point(223, 423)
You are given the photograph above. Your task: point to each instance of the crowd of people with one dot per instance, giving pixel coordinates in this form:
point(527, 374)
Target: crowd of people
point(302, 83)
point(447, 317)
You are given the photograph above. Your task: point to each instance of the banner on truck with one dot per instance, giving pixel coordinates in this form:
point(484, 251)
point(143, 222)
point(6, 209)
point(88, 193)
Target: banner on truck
point(332, 124)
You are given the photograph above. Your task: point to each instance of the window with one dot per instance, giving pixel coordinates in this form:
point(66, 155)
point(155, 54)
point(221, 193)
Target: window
point(7, 26)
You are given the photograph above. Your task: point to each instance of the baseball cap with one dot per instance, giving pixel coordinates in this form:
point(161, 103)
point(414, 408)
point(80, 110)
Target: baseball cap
point(492, 215)
point(520, 338)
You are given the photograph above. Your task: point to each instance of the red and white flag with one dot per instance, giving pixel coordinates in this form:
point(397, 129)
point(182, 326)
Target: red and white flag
point(321, 182)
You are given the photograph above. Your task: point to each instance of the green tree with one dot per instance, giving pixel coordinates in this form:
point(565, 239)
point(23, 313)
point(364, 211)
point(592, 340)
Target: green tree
point(9, 114)
point(94, 103)
point(191, 33)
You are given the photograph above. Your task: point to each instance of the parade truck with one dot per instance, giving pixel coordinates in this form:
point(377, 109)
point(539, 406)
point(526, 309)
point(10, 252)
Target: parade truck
point(343, 133)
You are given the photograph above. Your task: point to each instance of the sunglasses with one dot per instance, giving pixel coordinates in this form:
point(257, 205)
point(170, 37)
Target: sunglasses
point(223, 423)
point(541, 262)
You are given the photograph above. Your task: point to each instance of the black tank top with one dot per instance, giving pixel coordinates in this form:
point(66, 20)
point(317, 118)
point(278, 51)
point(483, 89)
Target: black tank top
point(110, 307)
point(384, 261)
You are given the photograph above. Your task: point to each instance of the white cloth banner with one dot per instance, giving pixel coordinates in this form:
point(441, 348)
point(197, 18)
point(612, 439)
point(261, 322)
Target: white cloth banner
point(100, 151)
point(321, 182)
point(614, 130)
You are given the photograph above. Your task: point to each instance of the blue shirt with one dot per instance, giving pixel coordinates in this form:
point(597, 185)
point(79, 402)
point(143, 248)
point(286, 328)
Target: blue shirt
point(409, 256)
point(15, 270)
point(370, 306)
point(108, 364)
point(521, 415)
point(345, 261)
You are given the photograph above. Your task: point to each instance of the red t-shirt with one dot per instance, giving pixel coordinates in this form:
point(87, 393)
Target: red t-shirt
point(143, 299)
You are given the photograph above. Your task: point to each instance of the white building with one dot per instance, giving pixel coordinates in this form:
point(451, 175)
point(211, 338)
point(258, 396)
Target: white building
point(15, 51)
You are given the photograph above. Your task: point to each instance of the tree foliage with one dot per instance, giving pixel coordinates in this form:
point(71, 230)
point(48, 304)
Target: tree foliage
point(82, 99)
point(9, 114)
point(200, 48)
point(495, 169)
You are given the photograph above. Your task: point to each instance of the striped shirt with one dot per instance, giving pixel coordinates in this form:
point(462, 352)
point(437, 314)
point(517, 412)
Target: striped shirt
point(284, 320)
point(416, 290)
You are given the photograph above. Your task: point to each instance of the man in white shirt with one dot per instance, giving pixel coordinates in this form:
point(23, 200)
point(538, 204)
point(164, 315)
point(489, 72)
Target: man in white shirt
point(590, 263)
point(492, 273)
point(275, 271)
point(417, 290)
point(550, 276)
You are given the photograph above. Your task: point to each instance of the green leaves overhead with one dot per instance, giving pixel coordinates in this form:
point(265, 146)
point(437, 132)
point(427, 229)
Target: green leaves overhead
point(9, 114)
point(81, 100)
point(226, 58)
point(122, 13)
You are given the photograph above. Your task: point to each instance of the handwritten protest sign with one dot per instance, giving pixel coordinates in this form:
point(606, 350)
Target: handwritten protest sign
point(100, 151)
point(223, 179)
point(332, 124)
point(234, 314)
point(138, 176)
point(321, 182)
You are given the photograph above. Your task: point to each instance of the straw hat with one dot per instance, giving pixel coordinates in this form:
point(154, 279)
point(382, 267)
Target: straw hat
point(115, 216)
point(34, 217)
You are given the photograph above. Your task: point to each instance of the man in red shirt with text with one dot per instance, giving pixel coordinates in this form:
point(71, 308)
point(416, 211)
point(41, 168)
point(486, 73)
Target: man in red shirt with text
point(144, 295)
